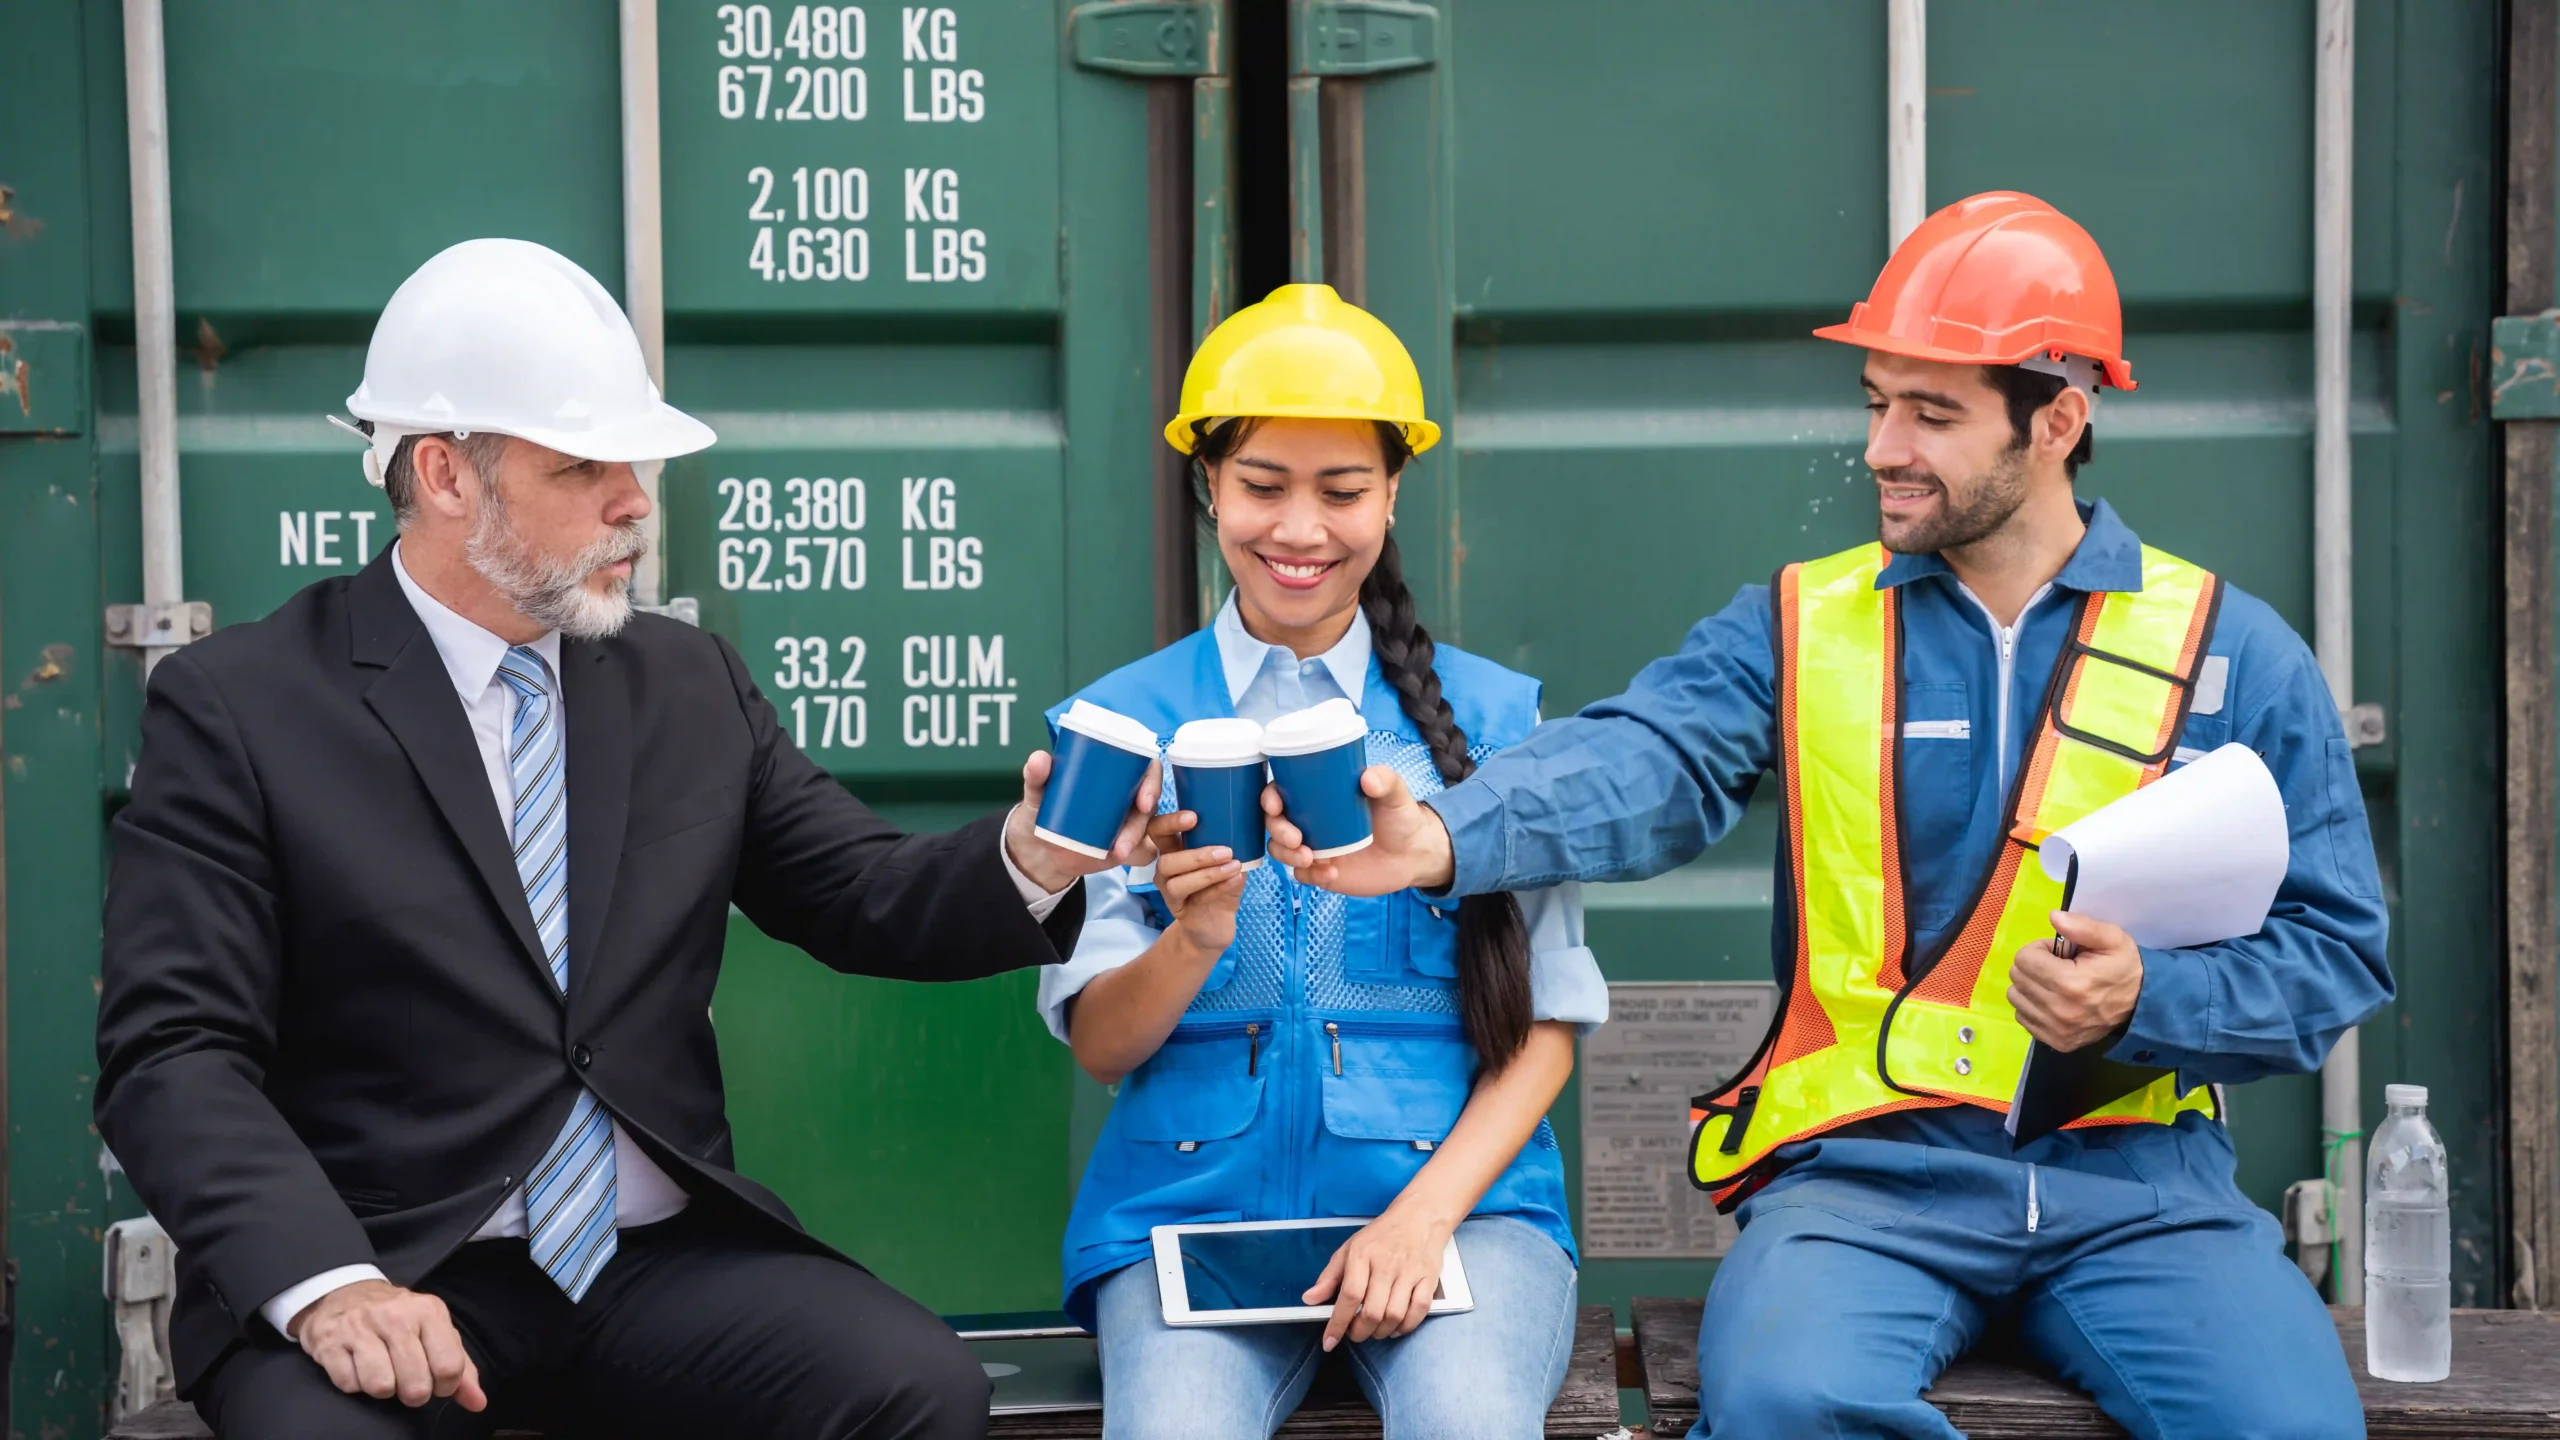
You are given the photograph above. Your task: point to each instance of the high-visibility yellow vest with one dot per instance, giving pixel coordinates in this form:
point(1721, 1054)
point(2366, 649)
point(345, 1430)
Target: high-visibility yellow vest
point(1865, 1027)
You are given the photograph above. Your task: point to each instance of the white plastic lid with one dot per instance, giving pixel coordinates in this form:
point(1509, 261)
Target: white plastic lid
point(1210, 743)
point(1110, 727)
point(1318, 727)
point(2415, 1095)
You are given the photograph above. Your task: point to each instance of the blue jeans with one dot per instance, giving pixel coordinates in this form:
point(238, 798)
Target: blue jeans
point(2148, 1280)
point(1488, 1374)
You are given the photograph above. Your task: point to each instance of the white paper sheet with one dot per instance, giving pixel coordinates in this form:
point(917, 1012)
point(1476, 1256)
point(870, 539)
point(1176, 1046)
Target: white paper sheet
point(2190, 859)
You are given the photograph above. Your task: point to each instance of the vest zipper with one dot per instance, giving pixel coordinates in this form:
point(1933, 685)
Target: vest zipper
point(1334, 1030)
point(1355, 1025)
point(1198, 1034)
point(1295, 1084)
point(1206, 1034)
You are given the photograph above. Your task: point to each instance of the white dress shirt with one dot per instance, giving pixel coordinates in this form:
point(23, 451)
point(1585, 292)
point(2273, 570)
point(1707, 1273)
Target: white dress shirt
point(643, 1193)
point(1266, 682)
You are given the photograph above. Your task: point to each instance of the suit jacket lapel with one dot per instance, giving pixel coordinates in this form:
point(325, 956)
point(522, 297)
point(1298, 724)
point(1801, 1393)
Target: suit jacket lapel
point(415, 699)
point(598, 706)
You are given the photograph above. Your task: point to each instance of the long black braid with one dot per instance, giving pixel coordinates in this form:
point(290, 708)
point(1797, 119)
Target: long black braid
point(1493, 935)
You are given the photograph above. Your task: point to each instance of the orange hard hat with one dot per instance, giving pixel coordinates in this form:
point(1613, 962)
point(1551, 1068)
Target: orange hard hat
point(1995, 279)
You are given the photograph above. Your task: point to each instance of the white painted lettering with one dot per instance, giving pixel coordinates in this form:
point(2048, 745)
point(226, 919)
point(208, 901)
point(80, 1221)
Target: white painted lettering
point(986, 662)
point(979, 704)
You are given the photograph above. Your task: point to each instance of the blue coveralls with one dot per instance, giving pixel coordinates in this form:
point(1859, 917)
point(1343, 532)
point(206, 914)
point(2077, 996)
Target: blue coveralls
point(2126, 1257)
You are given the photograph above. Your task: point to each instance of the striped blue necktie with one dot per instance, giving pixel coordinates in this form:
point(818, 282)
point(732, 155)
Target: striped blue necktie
point(569, 1198)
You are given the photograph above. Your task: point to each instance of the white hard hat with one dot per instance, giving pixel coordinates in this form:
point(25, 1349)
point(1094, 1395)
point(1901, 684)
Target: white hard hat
point(512, 337)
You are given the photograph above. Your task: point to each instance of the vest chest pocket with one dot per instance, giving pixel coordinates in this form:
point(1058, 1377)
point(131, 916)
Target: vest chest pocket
point(1386, 937)
point(1204, 1083)
point(1402, 1082)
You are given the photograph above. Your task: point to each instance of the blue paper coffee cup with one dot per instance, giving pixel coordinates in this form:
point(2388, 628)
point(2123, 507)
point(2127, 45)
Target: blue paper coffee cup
point(1217, 776)
point(1316, 758)
point(1101, 759)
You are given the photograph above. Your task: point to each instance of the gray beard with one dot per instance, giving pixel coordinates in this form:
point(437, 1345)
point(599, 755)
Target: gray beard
point(553, 593)
point(2002, 490)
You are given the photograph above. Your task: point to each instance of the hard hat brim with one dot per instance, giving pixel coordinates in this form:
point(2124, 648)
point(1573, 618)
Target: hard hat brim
point(1420, 435)
point(663, 434)
point(2119, 372)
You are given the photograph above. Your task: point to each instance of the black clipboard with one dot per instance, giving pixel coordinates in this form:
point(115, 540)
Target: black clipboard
point(2059, 1086)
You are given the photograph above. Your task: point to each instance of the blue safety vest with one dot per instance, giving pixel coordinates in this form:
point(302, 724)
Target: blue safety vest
point(1323, 1059)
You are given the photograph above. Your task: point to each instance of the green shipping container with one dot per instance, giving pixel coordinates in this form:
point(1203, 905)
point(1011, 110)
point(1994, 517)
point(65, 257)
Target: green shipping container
point(932, 270)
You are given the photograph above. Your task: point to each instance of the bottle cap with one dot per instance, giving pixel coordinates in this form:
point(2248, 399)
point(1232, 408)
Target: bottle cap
point(1318, 727)
point(1110, 727)
point(2409, 1095)
point(1216, 743)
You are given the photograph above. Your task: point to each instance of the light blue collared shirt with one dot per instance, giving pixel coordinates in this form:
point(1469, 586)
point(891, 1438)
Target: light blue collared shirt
point(1266, 682)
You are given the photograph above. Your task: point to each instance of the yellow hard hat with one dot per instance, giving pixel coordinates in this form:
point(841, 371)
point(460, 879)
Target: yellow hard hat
point(1304, 353)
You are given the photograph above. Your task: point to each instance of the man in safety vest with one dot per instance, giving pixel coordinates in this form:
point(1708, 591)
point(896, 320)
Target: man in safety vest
point(2007, 659)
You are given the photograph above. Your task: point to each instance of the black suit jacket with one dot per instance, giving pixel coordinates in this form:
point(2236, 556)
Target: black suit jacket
point(326, 1035)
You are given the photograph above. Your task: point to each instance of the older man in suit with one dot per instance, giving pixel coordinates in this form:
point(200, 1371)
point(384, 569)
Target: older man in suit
point(414, 925)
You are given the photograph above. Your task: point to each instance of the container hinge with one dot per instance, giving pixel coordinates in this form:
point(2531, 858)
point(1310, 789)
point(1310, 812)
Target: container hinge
point(2364, 725)
point(2524, 367)
point(2308, 1207)
point(141, 1281)
point(1146, 38)
point(1362, 37)
point(679, 607)
point(159, 627)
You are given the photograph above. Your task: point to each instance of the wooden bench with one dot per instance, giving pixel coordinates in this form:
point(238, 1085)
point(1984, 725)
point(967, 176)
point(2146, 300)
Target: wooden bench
point(1334, 1409)
point(2505, 1383)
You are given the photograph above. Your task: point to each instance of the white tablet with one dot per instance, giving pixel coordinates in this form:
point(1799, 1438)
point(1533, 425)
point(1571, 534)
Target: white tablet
point(1252, 1272)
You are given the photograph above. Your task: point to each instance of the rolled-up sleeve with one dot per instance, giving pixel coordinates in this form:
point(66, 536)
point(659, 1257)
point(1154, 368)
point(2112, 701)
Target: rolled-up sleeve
point(2273, 1003)
point(1116, 931)
point(1634, 785)
point(1564, 976)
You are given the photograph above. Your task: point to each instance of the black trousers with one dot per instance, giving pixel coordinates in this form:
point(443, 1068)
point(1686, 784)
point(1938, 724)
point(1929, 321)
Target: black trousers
point(700, 1327)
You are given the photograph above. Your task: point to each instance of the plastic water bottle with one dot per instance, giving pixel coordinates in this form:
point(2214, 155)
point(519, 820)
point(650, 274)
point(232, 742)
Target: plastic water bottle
point(2408, 1245)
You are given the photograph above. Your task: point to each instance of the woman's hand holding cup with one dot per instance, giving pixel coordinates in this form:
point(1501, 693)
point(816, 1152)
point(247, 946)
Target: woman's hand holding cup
point(1201, 887)
point(1411, 848)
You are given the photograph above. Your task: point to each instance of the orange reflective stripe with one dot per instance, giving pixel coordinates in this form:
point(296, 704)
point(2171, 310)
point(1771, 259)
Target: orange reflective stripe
point(1804, 1026)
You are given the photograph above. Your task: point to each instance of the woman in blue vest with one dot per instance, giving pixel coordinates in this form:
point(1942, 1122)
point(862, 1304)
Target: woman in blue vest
point(1282, 1052)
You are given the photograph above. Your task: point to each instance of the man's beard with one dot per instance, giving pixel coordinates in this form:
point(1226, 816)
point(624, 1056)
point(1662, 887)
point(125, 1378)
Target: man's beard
point(553, 593)
point(1996, 497)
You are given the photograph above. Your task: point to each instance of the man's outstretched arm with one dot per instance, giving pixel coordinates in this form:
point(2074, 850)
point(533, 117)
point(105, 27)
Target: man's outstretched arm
point(1633, 786)
point(821, 870)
